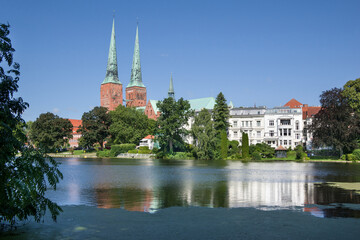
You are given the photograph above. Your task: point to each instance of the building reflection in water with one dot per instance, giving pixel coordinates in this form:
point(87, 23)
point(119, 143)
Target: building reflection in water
point(157, 184)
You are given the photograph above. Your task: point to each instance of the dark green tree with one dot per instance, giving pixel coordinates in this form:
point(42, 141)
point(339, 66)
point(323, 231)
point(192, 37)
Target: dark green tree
point(204, 136)
point(174, 116)
point(130, 125)
point(352, 93)
point(224, 145)
point(335, 125)
point(50, 132)
point(245, 145)
point(95, 127)
point(25, 173)
point(221, 114)
point(234, 148)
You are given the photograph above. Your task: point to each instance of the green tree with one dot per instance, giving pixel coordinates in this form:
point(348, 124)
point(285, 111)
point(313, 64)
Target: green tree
point(95, 127)
point(50, 132)
point(234, 148)
point(263, 149)
point(335, 125)
point(221, 114)
point(25, 173)
point(130, 125)
point(352, 93)
point(204, 136)
point(224, 145)
point(245, 146)
point(174, 116)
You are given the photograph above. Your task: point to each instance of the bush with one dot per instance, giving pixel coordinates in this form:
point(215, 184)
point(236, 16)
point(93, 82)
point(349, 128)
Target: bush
point(133, 151)
point(343, 157)
point(356, 154)
point(256, 156)
point(104, 153)
point(350, 157)
point(121, 148)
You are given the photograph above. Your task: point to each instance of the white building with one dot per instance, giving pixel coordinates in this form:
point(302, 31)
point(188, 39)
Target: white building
point(277, 126)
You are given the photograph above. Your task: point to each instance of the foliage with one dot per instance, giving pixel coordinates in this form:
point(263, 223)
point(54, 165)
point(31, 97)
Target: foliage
point(245, 146)
point(144, 150)
point(130, 125)
point(233, 148)
point(335, 125)
point(224, 145)
point(263, 149)
point(356, 154)
point(121, 148)
point(50, 132)
point(174, 116)
point(104, 153)
point(23, 178)
point(352, 93)
point(221, 114)
point(256, 156)
point(95, 127)
point(180, 156)
point(204, 136)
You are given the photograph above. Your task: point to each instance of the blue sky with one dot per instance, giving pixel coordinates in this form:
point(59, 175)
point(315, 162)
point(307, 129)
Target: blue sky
point(255, 52)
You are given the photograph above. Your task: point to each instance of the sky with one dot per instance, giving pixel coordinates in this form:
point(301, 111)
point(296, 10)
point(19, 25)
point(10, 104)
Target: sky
point(261, 53)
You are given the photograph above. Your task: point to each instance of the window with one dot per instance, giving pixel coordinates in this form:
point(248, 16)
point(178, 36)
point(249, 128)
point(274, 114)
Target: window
point(289, 131)
point(297, 136)
point(271, 122)
point(297, 125)
point(271, 133)
point(250, 123)
point(289, 142)
point(235, 123)
point(280, 142)
point(285, 122)
point(242, 124)
point(235, 134)
point(247, 123)
point(258, 123)
point(285, 142)
point(285, 132)
point(280, 132)
point(258, 134)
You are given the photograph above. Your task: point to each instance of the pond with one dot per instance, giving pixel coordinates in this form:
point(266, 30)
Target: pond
point(148, 185)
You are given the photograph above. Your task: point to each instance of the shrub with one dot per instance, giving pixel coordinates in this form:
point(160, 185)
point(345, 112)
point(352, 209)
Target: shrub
point(343, 157)
point(356, 154)
point(104, 153)
point(350, 157)
point(121, 148)
point(256, 156)
point(133, 151)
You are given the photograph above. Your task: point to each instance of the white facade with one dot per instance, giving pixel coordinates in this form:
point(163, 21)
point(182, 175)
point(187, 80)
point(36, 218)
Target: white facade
point(277, 126)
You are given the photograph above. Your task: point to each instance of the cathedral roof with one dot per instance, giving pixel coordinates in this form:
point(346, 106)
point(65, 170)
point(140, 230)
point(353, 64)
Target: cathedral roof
point(136, 77)
point(200, 103)
point(112, 68)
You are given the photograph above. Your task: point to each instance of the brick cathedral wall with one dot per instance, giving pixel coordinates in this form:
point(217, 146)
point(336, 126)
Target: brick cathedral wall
point(111, 95)
point(136, 97)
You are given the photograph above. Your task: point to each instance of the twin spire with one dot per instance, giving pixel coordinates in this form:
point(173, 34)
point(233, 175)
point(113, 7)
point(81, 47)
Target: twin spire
point(136, 77)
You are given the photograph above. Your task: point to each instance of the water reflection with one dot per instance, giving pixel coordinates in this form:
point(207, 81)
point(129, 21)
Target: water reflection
point(149, 185)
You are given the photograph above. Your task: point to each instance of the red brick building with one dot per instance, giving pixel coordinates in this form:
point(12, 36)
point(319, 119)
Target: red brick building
point(74, 142)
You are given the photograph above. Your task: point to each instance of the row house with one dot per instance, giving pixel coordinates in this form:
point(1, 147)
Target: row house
point(281, 126)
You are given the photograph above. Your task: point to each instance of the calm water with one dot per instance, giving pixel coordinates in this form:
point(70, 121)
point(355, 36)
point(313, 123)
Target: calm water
point(149, 185)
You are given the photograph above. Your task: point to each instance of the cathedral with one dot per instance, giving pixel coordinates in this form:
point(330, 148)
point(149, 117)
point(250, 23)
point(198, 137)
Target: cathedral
point(111, 90)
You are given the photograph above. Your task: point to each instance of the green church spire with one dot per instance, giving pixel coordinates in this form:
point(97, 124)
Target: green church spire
point(136, 78)
point(171, 92)
point(112, 68)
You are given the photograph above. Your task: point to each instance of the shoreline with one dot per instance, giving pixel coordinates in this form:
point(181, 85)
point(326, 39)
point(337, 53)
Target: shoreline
point(92, 155)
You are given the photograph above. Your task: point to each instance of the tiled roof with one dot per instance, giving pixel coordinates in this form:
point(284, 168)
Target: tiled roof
point(200, 103)
point(310, 111)
point(280, 148)
point(293, 103)
point(149, 137)
point(75, 122)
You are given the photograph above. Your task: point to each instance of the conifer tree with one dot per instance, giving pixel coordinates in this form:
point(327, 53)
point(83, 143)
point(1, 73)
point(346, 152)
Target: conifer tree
point(224, 145)
point(221, 114)
point(245, 145)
